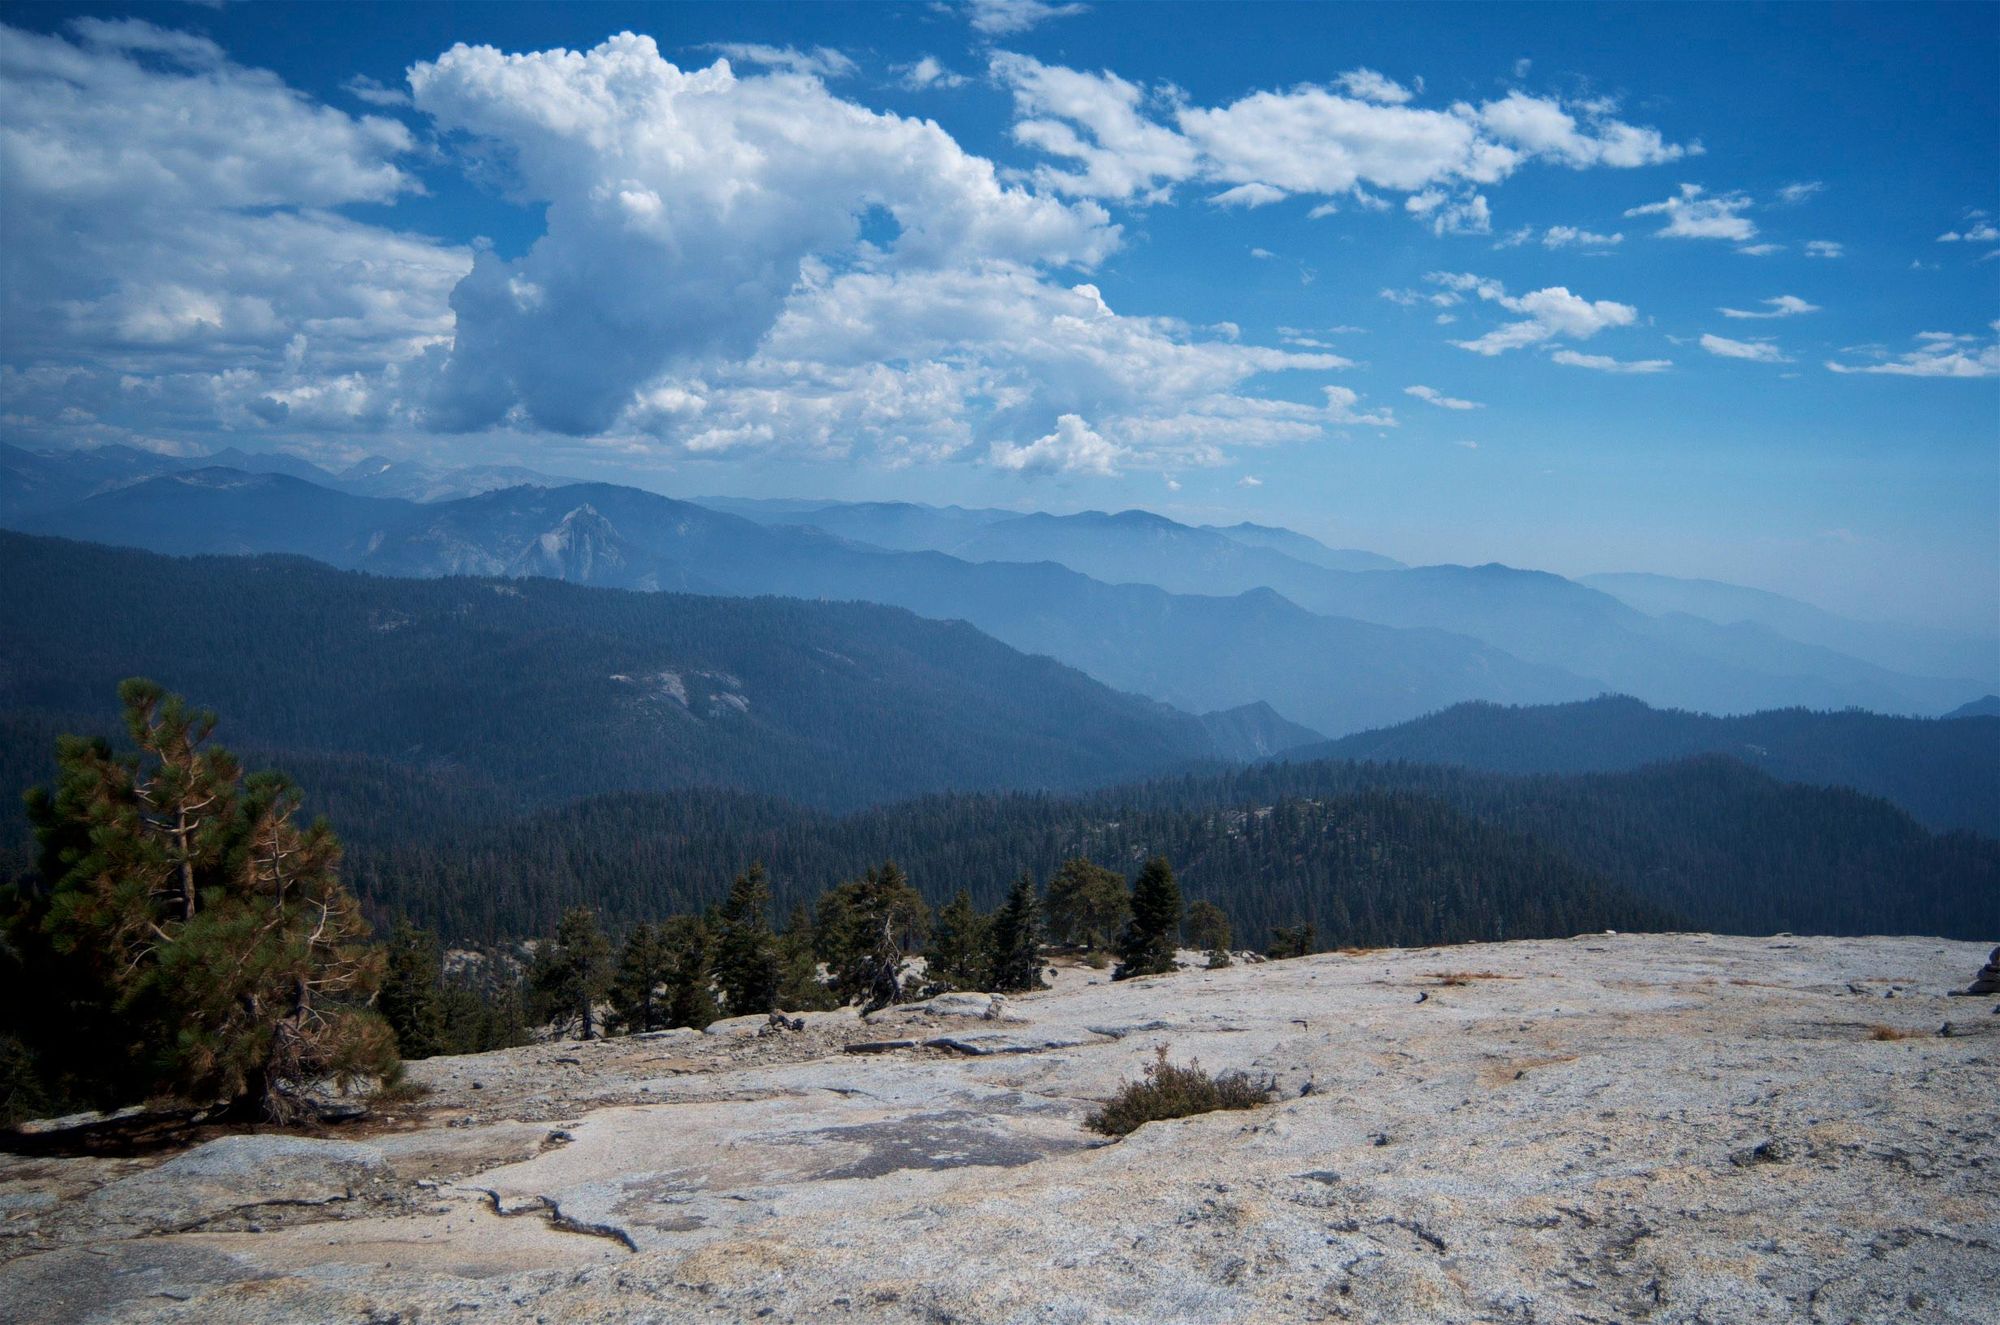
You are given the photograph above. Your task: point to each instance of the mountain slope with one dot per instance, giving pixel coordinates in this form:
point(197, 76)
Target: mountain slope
point(1914, 649)
point(551, 690)
point(1198, 653)
point(1946, 774)
point(1673, 658)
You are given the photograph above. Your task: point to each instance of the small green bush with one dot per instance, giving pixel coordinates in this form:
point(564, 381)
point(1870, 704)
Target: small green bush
point(1172, 1091)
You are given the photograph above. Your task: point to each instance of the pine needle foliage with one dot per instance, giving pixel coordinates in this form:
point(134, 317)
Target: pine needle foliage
point(197, 932)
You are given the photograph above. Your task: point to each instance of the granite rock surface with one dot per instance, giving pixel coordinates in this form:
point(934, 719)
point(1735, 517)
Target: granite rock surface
point(1672, 1128)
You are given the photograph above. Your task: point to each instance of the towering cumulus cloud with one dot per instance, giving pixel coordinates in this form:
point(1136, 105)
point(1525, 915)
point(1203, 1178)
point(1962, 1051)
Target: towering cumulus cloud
point(682, 209)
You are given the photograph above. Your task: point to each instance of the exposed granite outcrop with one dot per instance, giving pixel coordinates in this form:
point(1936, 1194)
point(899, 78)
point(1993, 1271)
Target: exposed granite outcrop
point(1610, 1128)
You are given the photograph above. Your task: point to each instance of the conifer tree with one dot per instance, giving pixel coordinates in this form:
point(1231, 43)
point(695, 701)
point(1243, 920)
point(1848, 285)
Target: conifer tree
point(412, 998)
point(572, 972)
point(1150, 938)
point(206, 944)
point(645, 965)
point(1293, 940)
point(1015, 940)
point(881, 916)
point(1087, 905)
point(956, 956)
point(800, 988)
point(746, 951)
point(690, 979)
point(1208, 928)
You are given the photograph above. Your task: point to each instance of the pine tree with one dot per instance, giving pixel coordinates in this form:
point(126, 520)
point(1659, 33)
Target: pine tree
point(206, 944)
point(1151, 936)
point(1208, 928)
point(645, 964)
point(1087, 905)
point(746, 952)
point(572, 972)
point(881, 917)
point(1293, 940)
point(690, 981)
point(800, 988)
point(412, 998)
point(1015, 940)
point(956, 956)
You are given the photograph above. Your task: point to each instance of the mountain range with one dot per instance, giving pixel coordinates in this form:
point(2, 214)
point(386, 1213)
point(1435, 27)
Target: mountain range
point(1944, 771)
point(1200, 617)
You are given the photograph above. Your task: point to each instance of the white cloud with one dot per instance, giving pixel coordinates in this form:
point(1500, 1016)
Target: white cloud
point(683, 207)
point(1368, 85)
point(1451, 216)
point(1096, 121)
point(928, 73)
point(1757, 351)
point(175, 262)
point(1939, 354)
point(820, 62)
point(1249, 481)
point(363, 88)
point(1071, 449)
point(1115, 139)
point(1784, 305)
point(1759, 250)
point(1794, 194)
point(1695, 214)
point(1002, 18)
point(1432, 396)
point(1977, 232)
point(1605, 364)
point(1567, 236)
point(1546, 314)
point(1824, 248)
point(1248, 195)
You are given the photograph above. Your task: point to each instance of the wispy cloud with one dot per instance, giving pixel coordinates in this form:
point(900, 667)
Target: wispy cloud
point(1694, 213)
point(1004, 18)
point(1605, 364)
point(1938, 354)
point(1756, 351)
point(1784, 305)
point(1825, 248)
point(1432, 396)
point(819, 62)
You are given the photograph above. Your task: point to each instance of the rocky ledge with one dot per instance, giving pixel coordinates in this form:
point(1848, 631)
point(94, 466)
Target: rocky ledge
point(1610, 1128)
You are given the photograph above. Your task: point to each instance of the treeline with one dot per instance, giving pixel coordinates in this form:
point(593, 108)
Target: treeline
point(854, 946)
point(1370, 854)
point(1371, 867)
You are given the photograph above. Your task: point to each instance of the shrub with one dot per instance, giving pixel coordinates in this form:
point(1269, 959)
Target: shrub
point(1173, 1091)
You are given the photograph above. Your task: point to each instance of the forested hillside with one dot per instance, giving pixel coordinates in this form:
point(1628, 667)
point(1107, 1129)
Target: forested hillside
point(1944, 772)
point(1369, 854)
point(551, 691)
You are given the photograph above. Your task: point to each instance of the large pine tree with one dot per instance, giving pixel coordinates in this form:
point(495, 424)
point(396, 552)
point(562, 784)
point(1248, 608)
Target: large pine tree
point(199, 938)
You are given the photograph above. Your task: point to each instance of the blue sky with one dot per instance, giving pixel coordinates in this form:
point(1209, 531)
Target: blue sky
point(1704, 290)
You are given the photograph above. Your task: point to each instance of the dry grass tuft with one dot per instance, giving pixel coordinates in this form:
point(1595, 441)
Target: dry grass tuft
point(1173, 1091)
point(1891, 1033)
